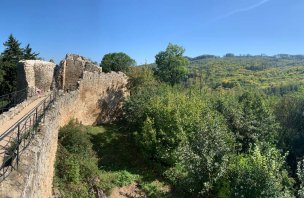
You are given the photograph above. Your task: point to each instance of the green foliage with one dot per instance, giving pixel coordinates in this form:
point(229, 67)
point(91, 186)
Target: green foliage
point(140, 77)
point(12, 52)
point(300, 177)
point(124, 178)
point(115, 162)
point(9, 83)
point(258, 174)
point(28, 54)
point(74, 138)
point(275, 75)
point(213, 135)
point(250, 118)
point(76, 164)
point(72, 169)
point(171, 64)
point(202, 161)
point(9, 59)
point(116, 62)
point(155, 189)
point(201, 141)
point(183, 133)
point(163, 119)
point(289, 113)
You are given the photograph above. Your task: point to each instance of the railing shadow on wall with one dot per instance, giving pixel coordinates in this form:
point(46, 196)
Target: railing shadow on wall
point(10, 100)
point(15, 140)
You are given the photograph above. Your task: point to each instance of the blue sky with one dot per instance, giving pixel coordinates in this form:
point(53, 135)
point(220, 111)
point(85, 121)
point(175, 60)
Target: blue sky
point(142, 28)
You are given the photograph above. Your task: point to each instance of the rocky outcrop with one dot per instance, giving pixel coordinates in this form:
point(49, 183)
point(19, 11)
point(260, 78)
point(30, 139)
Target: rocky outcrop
point(35, 74)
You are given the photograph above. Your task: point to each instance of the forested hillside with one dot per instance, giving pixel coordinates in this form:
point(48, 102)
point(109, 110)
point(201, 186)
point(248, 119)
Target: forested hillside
point(278, 74)
point(204, 127)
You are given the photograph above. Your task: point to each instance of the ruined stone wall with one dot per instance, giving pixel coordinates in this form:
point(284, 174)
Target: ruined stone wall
point(35, 74)
point(87, 94)
point(98, 99)
point(72, 70)
point(84, 104)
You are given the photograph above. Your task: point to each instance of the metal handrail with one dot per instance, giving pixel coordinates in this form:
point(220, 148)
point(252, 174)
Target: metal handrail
point(24, 117)
point(16, 139)
point(10, 100)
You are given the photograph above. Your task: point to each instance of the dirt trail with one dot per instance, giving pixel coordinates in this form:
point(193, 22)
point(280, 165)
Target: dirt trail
point(22, 113)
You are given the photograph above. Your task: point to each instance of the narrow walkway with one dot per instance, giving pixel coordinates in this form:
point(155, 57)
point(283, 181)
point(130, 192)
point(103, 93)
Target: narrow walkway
point(22, 113)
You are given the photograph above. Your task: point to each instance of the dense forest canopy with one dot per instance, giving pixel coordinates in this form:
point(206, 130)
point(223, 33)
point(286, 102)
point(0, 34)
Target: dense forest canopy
point(210, 126)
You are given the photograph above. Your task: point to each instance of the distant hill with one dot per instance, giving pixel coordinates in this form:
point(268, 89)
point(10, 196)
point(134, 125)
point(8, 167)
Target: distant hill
point(277, 74)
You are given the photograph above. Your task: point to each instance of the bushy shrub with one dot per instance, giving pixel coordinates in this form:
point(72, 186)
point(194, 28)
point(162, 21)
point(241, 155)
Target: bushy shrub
point(76, 164)
point(155, 189)
point(124, 178)
point(75, 139)
point(163, 121)
point(203, 160)
point(258, 174)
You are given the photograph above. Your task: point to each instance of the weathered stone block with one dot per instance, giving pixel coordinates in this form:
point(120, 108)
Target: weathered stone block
point(71, 71)
point(35, 74)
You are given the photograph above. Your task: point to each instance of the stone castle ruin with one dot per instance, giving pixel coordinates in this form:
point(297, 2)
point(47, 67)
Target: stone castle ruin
point(85, 93)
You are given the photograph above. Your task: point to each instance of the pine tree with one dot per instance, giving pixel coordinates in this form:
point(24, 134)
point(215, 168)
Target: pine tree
point(12, 52)
point(28, 54)
point(10, 57)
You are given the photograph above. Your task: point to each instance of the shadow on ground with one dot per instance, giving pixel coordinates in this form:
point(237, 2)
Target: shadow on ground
point(116, 152)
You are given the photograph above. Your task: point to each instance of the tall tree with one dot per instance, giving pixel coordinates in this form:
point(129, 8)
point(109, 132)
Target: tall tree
point(116, 62)
point(171, 64)
point(11, 55)
point(28, 54)
point(12, 52)
point(9, 59)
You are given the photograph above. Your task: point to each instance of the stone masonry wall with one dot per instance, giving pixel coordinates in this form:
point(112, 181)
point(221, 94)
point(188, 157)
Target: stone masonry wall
point(35, 74)
point(82, 104)
point(87, 104)
point(87, 94)
point(71, 71)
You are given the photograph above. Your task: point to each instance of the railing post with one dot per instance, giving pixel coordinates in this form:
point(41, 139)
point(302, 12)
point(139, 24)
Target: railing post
point(43, 112)
point(18, 143)
point(36, 115)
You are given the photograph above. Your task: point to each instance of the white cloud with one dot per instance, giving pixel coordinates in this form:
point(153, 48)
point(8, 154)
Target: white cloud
point(244, 9)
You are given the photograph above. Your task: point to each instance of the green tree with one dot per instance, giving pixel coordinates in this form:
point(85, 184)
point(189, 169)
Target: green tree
point(116, 62)
point(258, 174)
point(250, 118)
point(9, 59)
point(289, 113)
point(202, 161)
point(12, 52)
point(28, 54)
point(171, 64)
point(140, 77)
point(300, 176)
